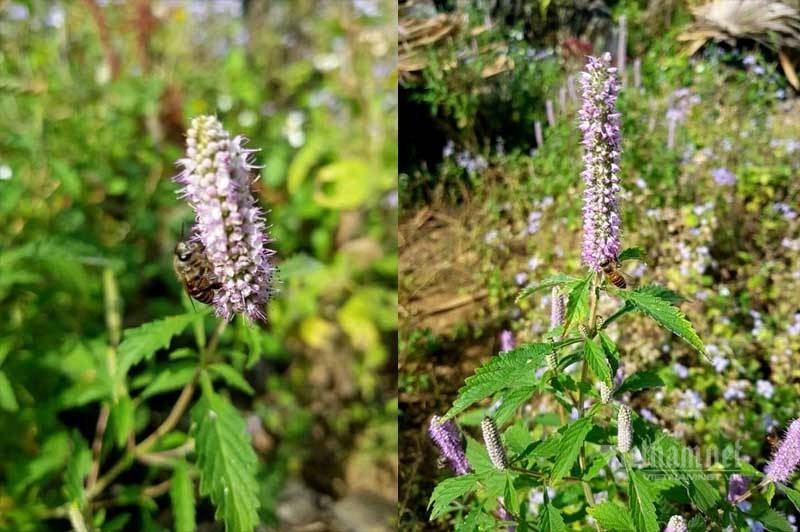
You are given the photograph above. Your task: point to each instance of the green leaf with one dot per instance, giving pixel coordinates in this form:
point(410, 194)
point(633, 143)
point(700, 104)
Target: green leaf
point(8, 400)
point(793, 495)
point(449, 490)
point(774, 521)
point(661, 292)
point(226, 461)
point(122, 417)
point(632, 254)
point(232, 377)
point(517, 438)
point(578, 302)
point(643, 510)
point(512, 400)
point(639, 381)
point(142, 342)
point(511, 369)
point(769, 493)
point(665, 314)
point(611, 351)
point(550, 519)
point(548, 282)
point(612, 517)
point(597, 360)
point(570, 447)
point(169, 379)
point(678, 462)
point(181, 492)
point(77, 469)
point(599, 461)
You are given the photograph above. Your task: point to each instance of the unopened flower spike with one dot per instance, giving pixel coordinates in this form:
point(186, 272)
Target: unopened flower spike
point(605, 393)
point(448, 439)
point(216, 178)
point(494, 446)
point(785, 460)
point(676, 524)
point(624, 429)
point(556, 308)
point(599, 122)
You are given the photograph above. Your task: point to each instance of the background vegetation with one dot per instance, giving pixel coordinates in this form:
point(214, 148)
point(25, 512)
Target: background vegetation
point(94, 99)
point(710, 167)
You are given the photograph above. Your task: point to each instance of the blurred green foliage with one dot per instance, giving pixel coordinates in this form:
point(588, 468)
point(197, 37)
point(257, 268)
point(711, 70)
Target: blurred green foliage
point(94, 99)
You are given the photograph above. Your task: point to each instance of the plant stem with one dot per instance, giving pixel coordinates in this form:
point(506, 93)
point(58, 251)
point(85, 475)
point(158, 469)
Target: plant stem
point(76, 519)
point(97, 445)
point(587, 490)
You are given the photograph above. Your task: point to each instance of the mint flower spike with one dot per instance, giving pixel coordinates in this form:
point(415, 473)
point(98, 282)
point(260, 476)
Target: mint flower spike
point(448, 439)
point(737, 486)
point(624, 429)
point(494, 446)
point(676, 524)
point(556, 308)
point(599, 123)
point(785, 460)
point(216, 178)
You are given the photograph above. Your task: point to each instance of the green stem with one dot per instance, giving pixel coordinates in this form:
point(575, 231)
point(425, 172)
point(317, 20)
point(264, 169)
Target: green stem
point(587, 490)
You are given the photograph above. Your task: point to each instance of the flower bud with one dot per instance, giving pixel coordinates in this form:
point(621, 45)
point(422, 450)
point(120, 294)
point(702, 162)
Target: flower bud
point(676, 524)
point(624, 430)
point(605, 393)
point(494, 446)
point(556, 308)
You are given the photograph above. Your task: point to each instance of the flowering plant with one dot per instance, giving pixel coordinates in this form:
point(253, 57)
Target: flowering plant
point(590, 458)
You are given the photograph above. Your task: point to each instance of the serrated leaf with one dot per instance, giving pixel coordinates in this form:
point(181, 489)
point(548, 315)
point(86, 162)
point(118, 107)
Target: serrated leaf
point(639, 381)
point(665, 314)
point(449, 490)
point(550, 519)
point(569, 448)
point(661, 292)
point(142, 342)
point(632, 254)
point(696, 524)
point(612, 517)
point(231, 377)
point(578, 302)
point(678, 462)
point(611, 351)
point(181, 493)
point(511, 369)
point(168, 380)
point(226, 461)
point(597, 360)
point(8, 401)
point(792, 495)
point(517, 438)
point(512, 400)
point(548, 282)
point(596, 465)
point(643, 511)
point(774, 521)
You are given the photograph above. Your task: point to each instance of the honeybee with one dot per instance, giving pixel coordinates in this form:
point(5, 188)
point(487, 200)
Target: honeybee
point(613, 274)
point(194, 270)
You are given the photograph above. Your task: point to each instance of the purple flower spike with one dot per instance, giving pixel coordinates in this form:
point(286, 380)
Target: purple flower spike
point(599, 122)
point(216, 179)
point(787, 457)
point(448, 439)
point(737, 486)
